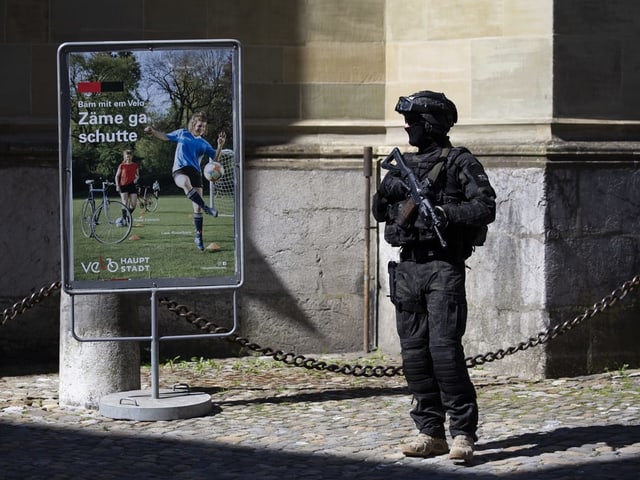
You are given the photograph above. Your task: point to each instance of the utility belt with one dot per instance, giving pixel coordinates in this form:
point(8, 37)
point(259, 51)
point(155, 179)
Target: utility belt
point(423, 254)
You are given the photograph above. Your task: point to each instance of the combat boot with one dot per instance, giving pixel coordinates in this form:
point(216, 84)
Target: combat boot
point(462, 448)
point(425, 446)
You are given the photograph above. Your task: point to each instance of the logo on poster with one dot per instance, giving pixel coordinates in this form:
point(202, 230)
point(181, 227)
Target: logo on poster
point(126, 264)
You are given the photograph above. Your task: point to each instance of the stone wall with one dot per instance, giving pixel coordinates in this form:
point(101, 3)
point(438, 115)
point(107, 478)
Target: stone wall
point(313, 74)
point(493, 58)
point(506, 287)
point(596, 68)
point(30, 252)
point(592, 245)
point(304, 274)
point(553, 121)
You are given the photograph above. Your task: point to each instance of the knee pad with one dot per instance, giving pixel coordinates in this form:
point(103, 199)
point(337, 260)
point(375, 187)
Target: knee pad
point(417, 367)
point(451, 369)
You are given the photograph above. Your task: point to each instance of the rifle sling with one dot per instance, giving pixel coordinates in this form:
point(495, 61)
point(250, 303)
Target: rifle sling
point(437, 168)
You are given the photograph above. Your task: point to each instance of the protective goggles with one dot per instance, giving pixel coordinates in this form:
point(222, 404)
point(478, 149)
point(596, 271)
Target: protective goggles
point(406, 104)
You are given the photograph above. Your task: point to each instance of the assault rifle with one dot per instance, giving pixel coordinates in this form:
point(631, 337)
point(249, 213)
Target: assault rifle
point(418, 198)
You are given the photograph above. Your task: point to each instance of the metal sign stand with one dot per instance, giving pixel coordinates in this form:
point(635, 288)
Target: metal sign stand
point(116, 106)
point(156, 404)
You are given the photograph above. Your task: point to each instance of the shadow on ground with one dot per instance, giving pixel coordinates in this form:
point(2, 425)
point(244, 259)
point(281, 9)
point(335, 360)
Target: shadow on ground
point(561, 439)
point(38, 451)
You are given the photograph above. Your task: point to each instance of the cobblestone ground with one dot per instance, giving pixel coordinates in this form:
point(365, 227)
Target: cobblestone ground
point(271, 421)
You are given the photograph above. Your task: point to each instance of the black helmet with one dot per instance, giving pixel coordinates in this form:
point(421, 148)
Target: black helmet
point(434, 107)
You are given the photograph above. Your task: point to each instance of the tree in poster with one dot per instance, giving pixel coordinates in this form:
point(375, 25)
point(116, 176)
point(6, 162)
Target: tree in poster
point(190, 81)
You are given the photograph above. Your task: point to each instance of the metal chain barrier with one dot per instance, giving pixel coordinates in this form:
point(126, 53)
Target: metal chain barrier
point(310, 363)
point(19, 307)
point(289, 358)
point(553, 332)
point(389, 371)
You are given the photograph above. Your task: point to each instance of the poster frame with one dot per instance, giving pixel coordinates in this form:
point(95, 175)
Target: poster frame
point(71, 283)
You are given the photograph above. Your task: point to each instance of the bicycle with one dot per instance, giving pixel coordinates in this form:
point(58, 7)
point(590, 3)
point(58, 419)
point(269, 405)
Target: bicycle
point(148, 197)
point(106, 220)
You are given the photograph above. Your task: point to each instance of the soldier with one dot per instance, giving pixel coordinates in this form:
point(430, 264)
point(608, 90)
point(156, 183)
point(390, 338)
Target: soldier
point(428, 284)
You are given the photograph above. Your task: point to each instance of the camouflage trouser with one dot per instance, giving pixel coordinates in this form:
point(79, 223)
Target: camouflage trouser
point(431, 316)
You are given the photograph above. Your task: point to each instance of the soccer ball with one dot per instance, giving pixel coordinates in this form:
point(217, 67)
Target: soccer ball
point(213, 171)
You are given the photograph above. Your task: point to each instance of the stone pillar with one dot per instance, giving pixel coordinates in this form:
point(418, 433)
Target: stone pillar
point(91, 370)
point(547, 100)
point(494, 60)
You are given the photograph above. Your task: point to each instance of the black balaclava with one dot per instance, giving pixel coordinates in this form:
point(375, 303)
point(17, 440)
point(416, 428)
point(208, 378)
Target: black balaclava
point(418, 136)
point(417, 131)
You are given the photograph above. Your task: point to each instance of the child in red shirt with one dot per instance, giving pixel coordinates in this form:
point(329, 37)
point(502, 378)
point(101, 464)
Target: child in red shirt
point(126, 179)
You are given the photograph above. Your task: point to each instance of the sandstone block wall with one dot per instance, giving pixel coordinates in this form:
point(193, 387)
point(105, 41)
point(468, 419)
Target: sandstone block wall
point(493, 58)
point(547, 98)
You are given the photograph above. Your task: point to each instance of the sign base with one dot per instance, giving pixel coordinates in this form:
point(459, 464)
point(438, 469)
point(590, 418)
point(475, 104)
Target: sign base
point(141, 406)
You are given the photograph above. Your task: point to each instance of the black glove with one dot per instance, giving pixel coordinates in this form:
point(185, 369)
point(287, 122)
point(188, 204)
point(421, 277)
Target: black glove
point(379, 207)
point(393, 189)
point(441, 215)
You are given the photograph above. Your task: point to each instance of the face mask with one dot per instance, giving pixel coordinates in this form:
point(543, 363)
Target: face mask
point(417, 135)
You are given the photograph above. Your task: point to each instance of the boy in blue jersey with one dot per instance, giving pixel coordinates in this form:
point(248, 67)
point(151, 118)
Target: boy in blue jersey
point(186, 164)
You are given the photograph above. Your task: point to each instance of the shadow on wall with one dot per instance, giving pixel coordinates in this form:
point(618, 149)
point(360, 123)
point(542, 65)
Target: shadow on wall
point(594, 48)
point(30, 342)
point(266, 291)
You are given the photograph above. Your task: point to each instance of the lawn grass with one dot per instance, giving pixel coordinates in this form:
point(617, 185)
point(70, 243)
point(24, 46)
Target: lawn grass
point(160, 246)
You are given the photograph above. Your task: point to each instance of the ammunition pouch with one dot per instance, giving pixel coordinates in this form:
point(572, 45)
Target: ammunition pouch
point(404, 226)
point(402, 290)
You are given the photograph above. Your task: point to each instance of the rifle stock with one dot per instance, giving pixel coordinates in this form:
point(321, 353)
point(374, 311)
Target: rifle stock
point(407, 213)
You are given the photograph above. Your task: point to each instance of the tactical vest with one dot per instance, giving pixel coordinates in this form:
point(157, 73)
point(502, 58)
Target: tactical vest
point(441, 172)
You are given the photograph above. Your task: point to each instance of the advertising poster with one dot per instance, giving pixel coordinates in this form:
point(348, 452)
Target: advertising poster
point(150, 165)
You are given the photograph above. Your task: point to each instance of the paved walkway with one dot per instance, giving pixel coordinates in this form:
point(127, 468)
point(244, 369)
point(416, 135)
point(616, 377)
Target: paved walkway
point(276, 422)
